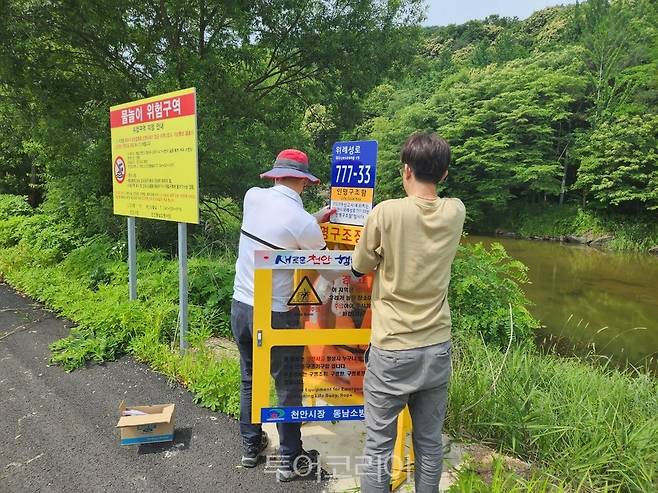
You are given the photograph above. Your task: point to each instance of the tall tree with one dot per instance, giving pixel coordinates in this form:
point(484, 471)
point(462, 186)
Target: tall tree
point(619, 167)
point(509, 127)
point(257, 65)
point(612, 41)
point(20, 172)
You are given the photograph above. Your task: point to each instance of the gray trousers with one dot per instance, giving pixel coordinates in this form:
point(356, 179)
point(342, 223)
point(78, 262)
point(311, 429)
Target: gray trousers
point(417, 377)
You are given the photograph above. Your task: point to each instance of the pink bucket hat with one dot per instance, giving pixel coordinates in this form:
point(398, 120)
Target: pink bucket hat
point(291, 163)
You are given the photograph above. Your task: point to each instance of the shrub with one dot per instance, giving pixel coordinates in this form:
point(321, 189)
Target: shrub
point(8, 230)
point(211, 287)
point(48, 240)
point(485, 286)
point(583, 423)
point(13, 206)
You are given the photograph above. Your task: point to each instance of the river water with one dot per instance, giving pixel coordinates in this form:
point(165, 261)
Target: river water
point(591, 299)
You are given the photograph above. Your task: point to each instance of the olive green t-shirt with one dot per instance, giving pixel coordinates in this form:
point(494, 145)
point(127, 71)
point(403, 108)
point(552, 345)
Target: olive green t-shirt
point(411, 242)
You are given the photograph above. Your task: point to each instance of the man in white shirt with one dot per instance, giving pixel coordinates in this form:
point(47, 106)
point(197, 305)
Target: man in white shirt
point(274, 218)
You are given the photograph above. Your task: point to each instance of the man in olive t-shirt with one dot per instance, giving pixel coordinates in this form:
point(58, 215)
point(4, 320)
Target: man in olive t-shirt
point(410, 243)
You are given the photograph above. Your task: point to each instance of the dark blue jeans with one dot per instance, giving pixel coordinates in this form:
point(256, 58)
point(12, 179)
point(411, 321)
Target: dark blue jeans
point(287, 376)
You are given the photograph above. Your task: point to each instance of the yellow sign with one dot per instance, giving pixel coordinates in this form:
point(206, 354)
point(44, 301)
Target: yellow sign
point(304, 294)
point(352, 194)
point(154, 157)
point(341, 233)
point(353, 205)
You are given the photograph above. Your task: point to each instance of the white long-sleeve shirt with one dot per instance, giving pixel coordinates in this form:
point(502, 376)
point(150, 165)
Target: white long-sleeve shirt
point(275, 216)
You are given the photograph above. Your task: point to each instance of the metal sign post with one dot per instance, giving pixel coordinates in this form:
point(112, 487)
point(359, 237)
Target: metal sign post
point(132, 259)
point(182, 284)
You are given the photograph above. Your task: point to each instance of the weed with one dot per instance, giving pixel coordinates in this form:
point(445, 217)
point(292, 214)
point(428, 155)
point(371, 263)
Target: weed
point(499, 479)
point(13, 206)
point(580, 422)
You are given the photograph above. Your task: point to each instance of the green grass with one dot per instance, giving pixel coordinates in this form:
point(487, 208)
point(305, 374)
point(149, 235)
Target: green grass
point(89, 287)
point(498, 478)
point(593, 426)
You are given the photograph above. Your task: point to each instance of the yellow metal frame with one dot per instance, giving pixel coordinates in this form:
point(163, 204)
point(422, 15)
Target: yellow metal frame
point(265, 338)
point(399, 467)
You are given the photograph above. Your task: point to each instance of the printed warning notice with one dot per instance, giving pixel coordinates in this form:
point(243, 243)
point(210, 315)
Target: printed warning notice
point(154, 157)
point(304, 294)
point(319, 365)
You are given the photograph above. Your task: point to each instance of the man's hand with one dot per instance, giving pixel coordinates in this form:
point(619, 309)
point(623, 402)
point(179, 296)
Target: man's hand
point(323, 215)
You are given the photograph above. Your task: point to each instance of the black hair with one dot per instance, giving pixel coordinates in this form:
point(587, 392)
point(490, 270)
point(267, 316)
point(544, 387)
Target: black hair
point(428, 156)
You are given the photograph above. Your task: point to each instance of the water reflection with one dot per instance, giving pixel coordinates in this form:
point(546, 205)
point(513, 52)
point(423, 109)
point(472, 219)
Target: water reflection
point(590, 296)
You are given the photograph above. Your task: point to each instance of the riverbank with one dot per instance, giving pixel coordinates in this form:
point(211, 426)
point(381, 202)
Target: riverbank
point(573, 224)
point(26, 331)
point(590, 300)
point(565, 416)
point(590, 426)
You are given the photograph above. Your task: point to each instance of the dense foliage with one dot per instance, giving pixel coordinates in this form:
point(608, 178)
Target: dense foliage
point(84, 279)
point(41, 256)
point(260, 69)
point(558, 108)
point(486, 298)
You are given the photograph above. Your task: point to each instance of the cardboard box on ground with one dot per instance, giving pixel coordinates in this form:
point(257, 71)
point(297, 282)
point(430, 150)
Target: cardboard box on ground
point(156, 424)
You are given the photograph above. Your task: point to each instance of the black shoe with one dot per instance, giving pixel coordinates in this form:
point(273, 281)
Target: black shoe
point(251, 452)
point(301, 465)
